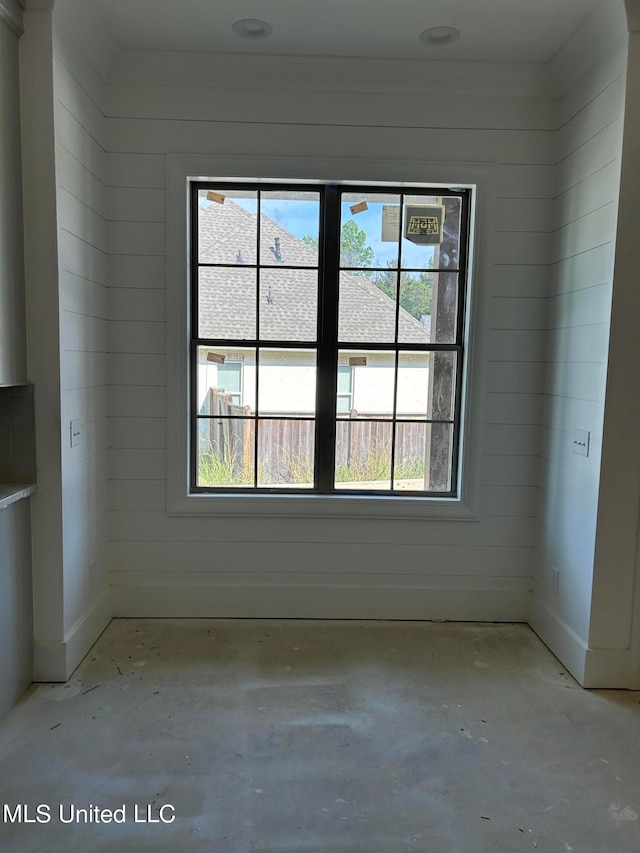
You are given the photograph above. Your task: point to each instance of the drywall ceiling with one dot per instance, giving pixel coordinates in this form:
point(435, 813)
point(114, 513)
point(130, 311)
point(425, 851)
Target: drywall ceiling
point(530, 31)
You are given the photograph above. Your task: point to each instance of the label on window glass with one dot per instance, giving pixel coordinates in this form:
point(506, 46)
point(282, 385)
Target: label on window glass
point(217, 197)
point(423, 224)
point(390, 223)
point(360, 207)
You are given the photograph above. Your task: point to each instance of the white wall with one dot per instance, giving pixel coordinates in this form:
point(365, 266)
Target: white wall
point(16, 612)
point(16, 617)
point(353, 112)
point(614, 636)
point(79, 94)
point(13, 354)
point(43, 336)
point(67, 318)
point(543, 294)
point(589, 151)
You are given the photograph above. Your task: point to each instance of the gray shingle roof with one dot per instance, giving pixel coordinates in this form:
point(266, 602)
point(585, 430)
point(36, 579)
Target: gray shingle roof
point(288, 297)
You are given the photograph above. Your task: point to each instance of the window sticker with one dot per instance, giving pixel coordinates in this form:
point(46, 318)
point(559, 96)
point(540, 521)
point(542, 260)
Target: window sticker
point(423, 224)
point(390, 223)
point(217, 197)
point(360, 207)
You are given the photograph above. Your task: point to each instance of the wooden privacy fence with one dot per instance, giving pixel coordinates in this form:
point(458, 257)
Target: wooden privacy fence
point(230, 435)
point(286, 446)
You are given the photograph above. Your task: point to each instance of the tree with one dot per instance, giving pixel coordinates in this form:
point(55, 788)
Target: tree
point(415, 290)
point(354, 251)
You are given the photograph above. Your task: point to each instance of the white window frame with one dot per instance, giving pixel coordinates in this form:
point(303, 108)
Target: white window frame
point(180, 171)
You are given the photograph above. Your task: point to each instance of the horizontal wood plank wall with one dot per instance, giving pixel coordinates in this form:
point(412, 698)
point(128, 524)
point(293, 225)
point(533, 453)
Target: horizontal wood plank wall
point(585, 210)
point(81, 170)
point(163, 566)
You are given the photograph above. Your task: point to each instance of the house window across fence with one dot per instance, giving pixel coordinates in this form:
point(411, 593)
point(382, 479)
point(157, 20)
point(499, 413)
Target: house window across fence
point(326, 338)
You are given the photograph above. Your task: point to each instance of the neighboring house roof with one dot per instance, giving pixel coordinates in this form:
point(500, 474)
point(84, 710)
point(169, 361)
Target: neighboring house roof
point(288, 297)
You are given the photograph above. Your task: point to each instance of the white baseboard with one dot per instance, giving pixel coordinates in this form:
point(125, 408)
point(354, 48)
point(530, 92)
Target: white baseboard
point(320, 602)
point(57, 661)
point(592, 668)
point(565, 644)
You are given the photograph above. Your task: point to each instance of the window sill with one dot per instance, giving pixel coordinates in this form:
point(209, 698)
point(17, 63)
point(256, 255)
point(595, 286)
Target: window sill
point(322, 506)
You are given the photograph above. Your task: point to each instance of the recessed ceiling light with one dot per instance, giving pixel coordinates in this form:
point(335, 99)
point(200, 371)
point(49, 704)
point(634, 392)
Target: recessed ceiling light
point(440, 35)
point(252, 28)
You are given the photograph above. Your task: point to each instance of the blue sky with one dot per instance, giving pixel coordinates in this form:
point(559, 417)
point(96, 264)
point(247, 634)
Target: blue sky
point(300, 217)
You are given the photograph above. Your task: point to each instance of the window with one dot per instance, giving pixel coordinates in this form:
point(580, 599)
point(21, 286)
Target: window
point(344, 396)
point(230, 379)
point(326, 338)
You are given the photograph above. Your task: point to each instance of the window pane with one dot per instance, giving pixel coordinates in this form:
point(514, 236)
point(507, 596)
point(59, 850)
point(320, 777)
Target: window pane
point(226, 381)
point(439, 450)
point(415, 306)
point(442, 390)
point(412, 399)
point(363, 454)
point(344, 402)
point(286, 453)
point(431, 300)
point(410, 456)
point(426, 385)
point(227, 303)
point(288, 305)
point(287, 382)
point(369, 229)
point(257, 293)
point(372, 383)
point(431, 232)
point(227, 226)
point(366, 311)
point(225, 451)
point(289, 228)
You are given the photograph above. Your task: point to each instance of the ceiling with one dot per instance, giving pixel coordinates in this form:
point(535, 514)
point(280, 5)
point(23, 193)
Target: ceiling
point(531, 31)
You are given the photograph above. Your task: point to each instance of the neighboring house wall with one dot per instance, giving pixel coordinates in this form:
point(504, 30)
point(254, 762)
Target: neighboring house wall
point(352, 111)
point(288, 383)
point(586, 208)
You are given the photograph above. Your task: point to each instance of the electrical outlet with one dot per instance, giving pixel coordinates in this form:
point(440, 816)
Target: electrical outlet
point(555, 574)
point(74, 433)
point(580, 442)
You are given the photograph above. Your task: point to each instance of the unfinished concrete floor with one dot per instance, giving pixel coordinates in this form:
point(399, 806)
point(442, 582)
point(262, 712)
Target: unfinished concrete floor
point(323, 737)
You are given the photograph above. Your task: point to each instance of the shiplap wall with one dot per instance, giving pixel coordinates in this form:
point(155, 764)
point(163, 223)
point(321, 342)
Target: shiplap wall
point(348, 110)
point(16, 614)
point(588, 183)
point(81, 164)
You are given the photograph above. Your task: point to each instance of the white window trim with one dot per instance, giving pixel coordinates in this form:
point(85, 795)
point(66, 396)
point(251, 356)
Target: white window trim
point(180, 169)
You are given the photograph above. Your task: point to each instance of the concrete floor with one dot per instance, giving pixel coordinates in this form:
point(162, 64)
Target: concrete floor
point(323, 737)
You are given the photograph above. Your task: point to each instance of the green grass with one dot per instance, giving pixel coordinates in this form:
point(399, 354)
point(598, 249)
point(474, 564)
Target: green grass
point(228, 470)
point(377, 466)
point(215, 470)
point(293, 470)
